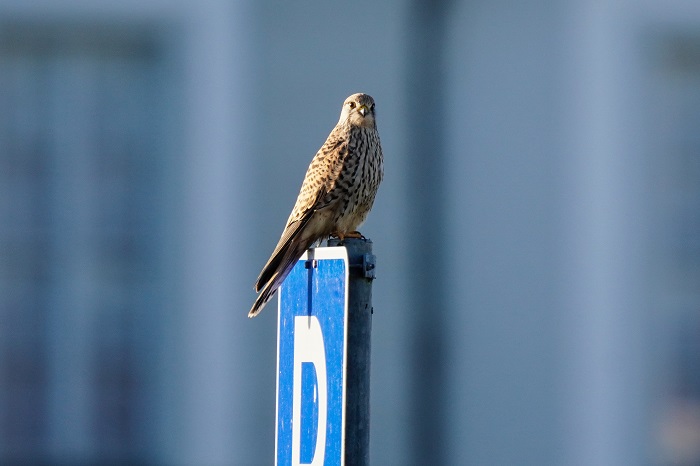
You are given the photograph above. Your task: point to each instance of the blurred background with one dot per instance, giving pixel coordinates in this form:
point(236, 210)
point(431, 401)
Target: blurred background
point(537, 232)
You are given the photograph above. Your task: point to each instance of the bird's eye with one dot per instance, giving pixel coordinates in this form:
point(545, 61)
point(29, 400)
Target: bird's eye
point(351, 104)
point(372, 107)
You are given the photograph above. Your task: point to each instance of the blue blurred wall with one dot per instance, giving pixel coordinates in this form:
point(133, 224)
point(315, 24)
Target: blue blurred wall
point(537, 233)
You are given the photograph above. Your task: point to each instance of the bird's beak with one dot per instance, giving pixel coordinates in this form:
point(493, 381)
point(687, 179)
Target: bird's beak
point(363, 110)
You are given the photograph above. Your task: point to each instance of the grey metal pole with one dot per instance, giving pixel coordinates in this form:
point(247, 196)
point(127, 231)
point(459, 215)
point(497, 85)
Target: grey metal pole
point(362, 263)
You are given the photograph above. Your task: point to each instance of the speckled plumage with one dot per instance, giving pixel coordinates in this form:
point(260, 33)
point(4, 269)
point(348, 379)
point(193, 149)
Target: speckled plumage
point(337, 193)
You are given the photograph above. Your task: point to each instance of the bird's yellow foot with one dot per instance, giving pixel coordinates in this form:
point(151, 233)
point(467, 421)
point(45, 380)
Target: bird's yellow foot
point(343, 236)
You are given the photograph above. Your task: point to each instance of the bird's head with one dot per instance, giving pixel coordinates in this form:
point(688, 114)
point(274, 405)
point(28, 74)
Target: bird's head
point(358, 110)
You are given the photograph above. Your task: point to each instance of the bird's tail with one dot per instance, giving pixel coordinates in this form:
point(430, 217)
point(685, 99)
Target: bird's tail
point(281, 266)
point(261, 300)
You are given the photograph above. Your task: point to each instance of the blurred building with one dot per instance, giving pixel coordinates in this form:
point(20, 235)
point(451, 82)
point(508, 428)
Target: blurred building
point(537, 234)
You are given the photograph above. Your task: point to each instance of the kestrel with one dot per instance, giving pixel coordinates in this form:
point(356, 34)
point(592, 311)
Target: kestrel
point(337, 193)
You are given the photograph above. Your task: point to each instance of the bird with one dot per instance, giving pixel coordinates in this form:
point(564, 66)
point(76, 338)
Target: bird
point(336, 195)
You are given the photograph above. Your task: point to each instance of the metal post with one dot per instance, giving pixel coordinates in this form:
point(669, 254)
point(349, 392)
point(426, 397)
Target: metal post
point(362, 263)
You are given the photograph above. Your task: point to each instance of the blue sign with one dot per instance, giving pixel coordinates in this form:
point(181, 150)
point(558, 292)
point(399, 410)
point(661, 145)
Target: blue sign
point(311, 360)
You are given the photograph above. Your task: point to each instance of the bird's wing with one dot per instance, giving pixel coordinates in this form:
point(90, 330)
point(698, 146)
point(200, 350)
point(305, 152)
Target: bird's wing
point(321, 177)
point(298, 235)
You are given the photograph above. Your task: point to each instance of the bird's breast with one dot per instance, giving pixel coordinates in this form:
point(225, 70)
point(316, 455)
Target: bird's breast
point(358, 180)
